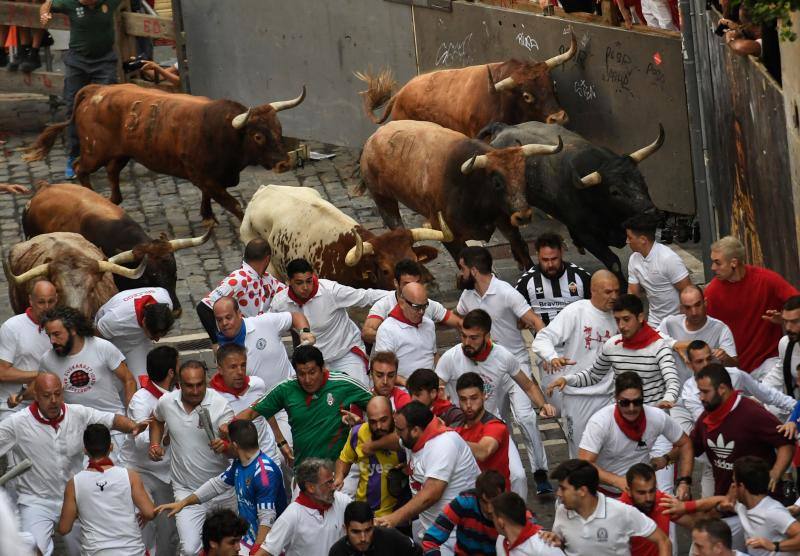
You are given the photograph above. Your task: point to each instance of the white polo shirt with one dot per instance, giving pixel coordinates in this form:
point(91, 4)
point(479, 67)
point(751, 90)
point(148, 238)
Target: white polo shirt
point(714, 332)
point(496, 371)
point(255, 391)
point(88, 376)
point(253, 293)
point(303, 531)
point(767, 519)
point(22, 344)
point(656, 274)
point(57, 454)
point(116, 321)
point(193, 461)
point(414, 346)
point(505, 305)
point(445, 457)
point(266, 355)
point(135, 450)
point(607, 532)
point(381, 309)
point(327, 315)
point(616, 453)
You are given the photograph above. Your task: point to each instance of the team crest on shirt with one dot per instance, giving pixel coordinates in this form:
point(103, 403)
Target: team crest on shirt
point(539, 290)
point(602, 535)
point(329, 398)
point(79, 378)
point(261, 343)
point(573, 288)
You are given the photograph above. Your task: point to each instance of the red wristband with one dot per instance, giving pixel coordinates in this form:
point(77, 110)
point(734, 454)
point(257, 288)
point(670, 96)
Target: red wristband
point(690, 506)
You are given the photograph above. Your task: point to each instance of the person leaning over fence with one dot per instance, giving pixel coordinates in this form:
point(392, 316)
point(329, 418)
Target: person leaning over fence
point(90, 58)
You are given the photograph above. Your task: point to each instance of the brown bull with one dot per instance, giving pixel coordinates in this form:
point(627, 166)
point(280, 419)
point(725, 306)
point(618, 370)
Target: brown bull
point(205, 141)
point(76, 267)
point(431, 169)
point(468, 99)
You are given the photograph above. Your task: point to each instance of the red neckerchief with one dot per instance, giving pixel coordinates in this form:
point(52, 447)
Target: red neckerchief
point(151, 387)
point(439, 406)
point(310, 397)
point(482, 355)
point(218, 384)
point(714, 419)
point(643, 338)
point(434, 429)
point(293, 296)
point(527, 532)
point(98, 465)
point(34, 407)
point(139, 304)
point(397, 313)
point(305, 500)
point(29, 314)
point(632, 429)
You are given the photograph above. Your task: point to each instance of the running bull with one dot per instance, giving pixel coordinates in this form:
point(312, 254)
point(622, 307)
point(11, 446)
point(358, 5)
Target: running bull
point(433, 170)
point(205, 141)
point(467, 99)
point(71, 208)
point(298, 223)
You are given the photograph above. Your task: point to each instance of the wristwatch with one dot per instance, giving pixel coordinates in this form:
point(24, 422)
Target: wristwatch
point(305, 330)
point(777, 547)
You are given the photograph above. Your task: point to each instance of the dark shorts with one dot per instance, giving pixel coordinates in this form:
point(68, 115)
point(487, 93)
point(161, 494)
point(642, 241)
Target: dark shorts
point(206, 315)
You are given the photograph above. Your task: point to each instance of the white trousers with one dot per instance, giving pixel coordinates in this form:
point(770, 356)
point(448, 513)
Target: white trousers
point(577, 410)
point(523, 414)
point(39, 516)
point(517, 477)
point(350, 364)
point(190, 520)
point(658, 14)
point(160, 536)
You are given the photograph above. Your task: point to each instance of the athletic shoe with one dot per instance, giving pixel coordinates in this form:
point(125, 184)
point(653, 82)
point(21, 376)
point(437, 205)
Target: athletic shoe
point(543, 486)
point(69, 171)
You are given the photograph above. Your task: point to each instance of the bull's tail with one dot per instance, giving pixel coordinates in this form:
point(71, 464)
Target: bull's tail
point(379, 91)
point(358, 188)
point(47, 138)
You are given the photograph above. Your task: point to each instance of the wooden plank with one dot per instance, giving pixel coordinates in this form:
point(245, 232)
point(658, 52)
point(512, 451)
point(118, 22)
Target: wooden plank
point(143, 25)
point(27, 15)
point(38, 82)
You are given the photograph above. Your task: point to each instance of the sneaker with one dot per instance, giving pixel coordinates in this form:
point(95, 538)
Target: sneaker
point(16, 59)
point(69, 171)
point(543, 486)
point(31, 61)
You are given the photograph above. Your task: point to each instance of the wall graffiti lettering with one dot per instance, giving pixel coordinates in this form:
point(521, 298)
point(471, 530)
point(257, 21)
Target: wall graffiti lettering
point(527, 42)
point(585, 90)
point(453, 53)
point(618, 68)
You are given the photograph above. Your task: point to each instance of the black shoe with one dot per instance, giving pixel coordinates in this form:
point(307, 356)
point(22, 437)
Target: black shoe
point(17, 59)
point(31, 61)
point(3, 57)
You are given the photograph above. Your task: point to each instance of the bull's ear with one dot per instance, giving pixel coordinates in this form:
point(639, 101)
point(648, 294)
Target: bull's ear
point(490, 131)
point(425, 253)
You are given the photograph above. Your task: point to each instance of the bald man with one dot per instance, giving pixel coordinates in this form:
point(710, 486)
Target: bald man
point(571, 342)
point(408, 333)
point(22, 344)
point(50, 434)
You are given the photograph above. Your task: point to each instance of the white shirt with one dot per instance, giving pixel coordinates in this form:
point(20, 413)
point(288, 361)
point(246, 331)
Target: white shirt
point(714, 332)
point(496, 371)
point(327, 315)
point(22, 344)
point(414, 346)
point(445, 457)
point(252, 292)
point(606, 532)
point(774, 376)
point(116, 321)
point(255, 391)
point(767, 519)
point(616, 453)
point(266, 355)
point(88, 376)
point(135, 450)
point(302, 531)
point(381, 309)
point(578, 333)
point(506, 306)
point(56, 454)
point(12, 540)
point(107, 513)
point(193, 461)
point(532, 546)
point(656, 274)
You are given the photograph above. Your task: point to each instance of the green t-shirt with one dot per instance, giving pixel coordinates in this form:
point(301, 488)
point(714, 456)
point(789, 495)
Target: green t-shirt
point(317, 428)
point(91, 30)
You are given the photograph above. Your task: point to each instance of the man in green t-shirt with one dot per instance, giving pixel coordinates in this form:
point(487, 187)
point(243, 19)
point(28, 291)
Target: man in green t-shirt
point(90, 58)
point(318, 403)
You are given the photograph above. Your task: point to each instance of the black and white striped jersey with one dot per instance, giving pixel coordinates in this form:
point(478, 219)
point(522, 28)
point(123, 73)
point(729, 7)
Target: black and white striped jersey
point(548, 296)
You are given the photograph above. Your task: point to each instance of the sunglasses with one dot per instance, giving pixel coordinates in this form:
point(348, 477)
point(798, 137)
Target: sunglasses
point(638, 402)
point(421, 307)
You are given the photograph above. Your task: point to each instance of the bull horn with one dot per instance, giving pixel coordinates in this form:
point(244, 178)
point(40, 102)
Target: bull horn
point(592, 179)
point(177, 244)
point(448, 235)
point(505, 84)
point(426, 234)
point(536, 148)
point(241, 120)
point(35, 272)
point(477, 161)
point(122, 258)
point(360, 249)
point(566, 56)
point(644, 152)
point(130, 273)
point(286, 104)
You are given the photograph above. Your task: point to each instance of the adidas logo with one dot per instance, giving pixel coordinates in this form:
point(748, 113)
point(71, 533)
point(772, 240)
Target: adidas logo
point(721, 449)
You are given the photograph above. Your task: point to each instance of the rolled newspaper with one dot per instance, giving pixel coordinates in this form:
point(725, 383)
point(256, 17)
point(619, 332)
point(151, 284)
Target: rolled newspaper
point(16, 471)
point(205, 422)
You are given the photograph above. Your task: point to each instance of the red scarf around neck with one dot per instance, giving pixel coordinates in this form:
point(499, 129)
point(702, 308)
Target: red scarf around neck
point(483, 354)
point(713, 419)
point(29, 314)
point(139, 304)
point(632, 429)
point(294, 297)
point(218, 384)
point(97, 465)
point(305, 500)
point(434, 429)
point(153, 389)
point(527, 532)
point(310, 397)
point(397, 313)
point(643, 338)
point(34, 407)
